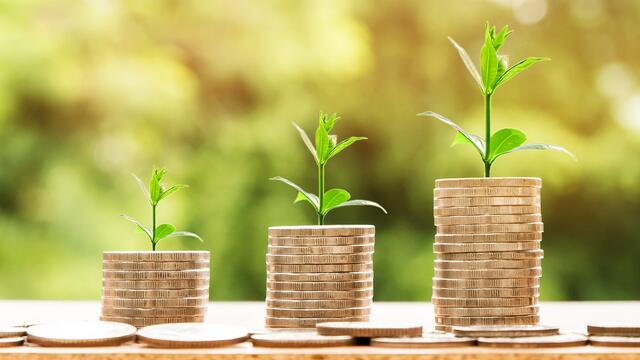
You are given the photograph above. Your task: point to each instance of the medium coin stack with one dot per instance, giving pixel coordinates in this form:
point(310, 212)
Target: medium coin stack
point(488, 255)
point(155, 287)
point(319, 274)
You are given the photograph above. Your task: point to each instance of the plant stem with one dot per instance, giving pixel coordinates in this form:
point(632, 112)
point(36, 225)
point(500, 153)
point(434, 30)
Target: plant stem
point(487, 127)
point(153, 229)
point(320, 193)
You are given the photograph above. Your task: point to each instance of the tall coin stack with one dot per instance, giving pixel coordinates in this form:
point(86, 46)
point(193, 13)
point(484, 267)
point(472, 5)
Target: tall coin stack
point(155, 287)
point(488, 255)
point(319, 274)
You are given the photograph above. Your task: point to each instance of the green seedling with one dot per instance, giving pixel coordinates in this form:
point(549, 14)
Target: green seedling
point(494, 72)
point(326, 147)
point(155, 193)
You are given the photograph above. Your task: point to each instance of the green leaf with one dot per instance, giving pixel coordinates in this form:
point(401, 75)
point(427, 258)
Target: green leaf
point(138, 225)
point(143, 187)
point(518, 68)
point(473, 139)
point(155, 188)
point(323, 143)
point(328, 121)
point(171, 190)
point(307, 142)
point(184, 234)
point(313, 200)
point(461, 139)
point(500, 37)
point(505, 140)
point(333, 198)
point(488, 62)
point(361, 203)
point(344, 144)
point(468, 63)
point(163, 231)
point(542, 147)
point(302, 197)
point(503, 64)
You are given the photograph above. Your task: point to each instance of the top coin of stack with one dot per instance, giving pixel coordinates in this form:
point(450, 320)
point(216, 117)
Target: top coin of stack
point(488, 255)
point(155, 287)
point(319, 274)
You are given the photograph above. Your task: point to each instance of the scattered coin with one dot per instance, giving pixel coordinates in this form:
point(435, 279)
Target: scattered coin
point(488, 182)
point(489, 273)
point(306, 322)
point(134, 256)
point(291, 339)
point(487, 201)
point(156, 294)
point(449, 192)
point(614, 329)
point(487, 210)
point(488, 238)
point(484, 283)
point(11, 341)
point(318, 295)
point(320, 268)
point(319, 250)
point(488, 219)
point(318, 313)
point(500, 255)
point(319, 259)
point(322, 230)
point(486, 264)
point(153, 312)
point(155, 303)
point(615, 341)
point(81, 333)
point(498, 320)
point(319, 304)
point(562, 340)
point(487, 293)
point(191, 335)
point(505, 331)
point(12, 331)
point(319, 286)
point(154, 265)
point(322, 240)
point(347, 276)
point(427, 340)
point(490, 228)
point(486, 311)
point(370, 329)
point(146, 321)
point(483, 302)
point(155, 284)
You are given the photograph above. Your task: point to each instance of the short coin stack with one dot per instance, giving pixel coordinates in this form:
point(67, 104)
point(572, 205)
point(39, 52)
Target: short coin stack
point(148, 288)
point(488, 255)
point(319, 274)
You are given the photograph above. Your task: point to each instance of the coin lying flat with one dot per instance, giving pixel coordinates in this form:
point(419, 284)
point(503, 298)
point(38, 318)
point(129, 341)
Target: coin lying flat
point(488, 273)
point(146, 321)
point(11, 341)
point(192, 335)
point(319, 304)
point(615, 341)
point(427, 340)
point(319, 286)
point(370, 329)
point(134, 256)
point(486, 247)
point(487, 293)
point(488, 182)
point(155, 293)
point(12, 331)
point(154, 265)
point(155, 303)
point(562, 340)
point(483, 302)
point(273, 322)
point(319, 250)
point(500, 255)
point(290, 339)
point(506, 331)
point(322, 230)
point(320, 268)
point(347, 276)
point(153, 312)
point(486, 311)
point(487, 210)
point(318, 313)
point(155, 275)
point(614, 329)
point(485, 283)
point(318, 295)
point(487, 201)
point(501, 320)
point(488, 219)
point(319, 259)
point(490, 228)
point(80, 333)
point(322, 240)
point(488, 238)
point(155, 284)
point(449, 192)
point(486, 264)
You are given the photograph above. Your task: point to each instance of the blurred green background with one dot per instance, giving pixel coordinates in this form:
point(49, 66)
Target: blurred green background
point(92, 91)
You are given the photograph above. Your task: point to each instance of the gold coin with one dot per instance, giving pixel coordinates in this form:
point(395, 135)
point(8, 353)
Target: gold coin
point(487, 210)
point(615, 328)
point(485, 283)
point(319, 295)
point(487, 293)
point(490, 228)
point(498, 320)
point(319, 304)
point(487, 201)
point(12, 331)
point(502, 255)
point(155, 303)
point(553, 341)
point(147, 321)
point(487, 264)
point(489, 273)
point(155, 265)
point(486, 311)
point(289, 339)
point(488, 219)
point(155, 275)
point(80, 333)
point(322, 230)
point(505, 331)
point(155, 294)
point(488, 182)
point(319, 286)
point(485, 247)
point(272, 322)
point(191, 335)
point(319, 259)
point(348, 276)
point(486, 191)
point(318, 313)
point(319, 250)
point(483, 303)
point(427, 340)
point(153, 312)
point(133, 256)
point(320, 268)
point(155, 284)
point(487, 238)
point(322, 240)
point(11, 341)
point(367, 329)
point(614, 341)
point(442, 328)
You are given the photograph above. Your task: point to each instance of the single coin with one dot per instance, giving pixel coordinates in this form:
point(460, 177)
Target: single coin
point(370, 329)
point(155, 303)
point(319, 286)
point(501, 255)
point(322, 240)
point(320, 259)
point(488, 182)
point(133, 256)
point(272, 322)
point(319, 304)
point(319, 250)
point(613, 328)
point(486, 210)
point(322, 230)
point(488, 238)
point(488, 273)
point(614, 341)
point(192, 335)
point(490, 228)
point(485, 247)
point(487, 201)
point(348, 276)
point(290, 339)
point(505, 331)
point(155, 284)
point(442, 328)
point(553, 341)
point(264, 330)
point(485, 283)
point(155, 294)
point(155, 275)
point(487, 293)
point(320, 268)
point(11, 341)
point(146, 321)
point(486, 191)
point(319, 295)
point(486, 264)
point(154, 265)
point(318, 313)
point(12, 331)
point(153, 312)
point(483, 302)
point(80, 333)
point(486, 311)
point(488, 219)
point(427, 340)
point(498, 320)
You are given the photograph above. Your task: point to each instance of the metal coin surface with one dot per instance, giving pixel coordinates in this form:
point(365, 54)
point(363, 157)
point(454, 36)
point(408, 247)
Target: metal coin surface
point(319, 286)
point(80, 333)
point(155, 275)
point(486, 264)
point(322, 230)
point(490, 228)
point(449, 192)
point(155, 284)
point(319, 295)
point(486, 311)
point(487, 210)
point(553, 341)
point(146, 321)
point(155, 303)
point(615, 341)
point(488, 238)
point(156, 294)
point(614, 329)
point(319, 250)
point(320, 268)
point(506, 331)
point(501, 320)
point(290, 339)
point(501, 255)
point(483, 302)
point(347, 276)
point(153, 312)
point(12, 331)
point(319, 304)
point(488, 273)
point(492, 181)
point(273, 322)
point(485, 283)
point(486, 201)
point(154, 265)
point(488, 219)
point(11, 341)
point(427, 340)
point(133, 256)
point(370, 329)
point(485, 247)
point(318, 313)
point(320, 259)
point(487, 293)
point(322, 240)
point(192, 335)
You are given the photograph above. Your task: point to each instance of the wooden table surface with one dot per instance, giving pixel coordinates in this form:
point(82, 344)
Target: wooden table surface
point(570, 316)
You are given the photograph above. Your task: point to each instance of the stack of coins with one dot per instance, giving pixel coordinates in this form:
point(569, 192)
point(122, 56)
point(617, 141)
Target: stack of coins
point(488, 255)
point(319, 274)
point(155, 287)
